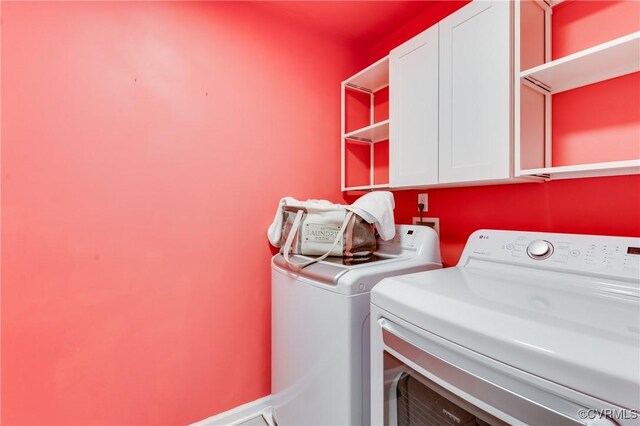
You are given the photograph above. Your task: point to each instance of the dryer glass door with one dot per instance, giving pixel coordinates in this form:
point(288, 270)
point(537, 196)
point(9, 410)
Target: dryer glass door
point(413, 400)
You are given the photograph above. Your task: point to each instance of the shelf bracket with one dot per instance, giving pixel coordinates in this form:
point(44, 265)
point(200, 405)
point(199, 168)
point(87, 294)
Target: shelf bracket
point(359, 88)
point(535, 84)
point(359, 139)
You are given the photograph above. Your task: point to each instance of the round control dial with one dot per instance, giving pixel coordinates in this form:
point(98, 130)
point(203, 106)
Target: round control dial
point(539, 249)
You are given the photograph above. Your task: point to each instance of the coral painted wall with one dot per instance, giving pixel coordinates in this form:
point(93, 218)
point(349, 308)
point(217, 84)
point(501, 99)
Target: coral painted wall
point(603, 206)
point(145, 146)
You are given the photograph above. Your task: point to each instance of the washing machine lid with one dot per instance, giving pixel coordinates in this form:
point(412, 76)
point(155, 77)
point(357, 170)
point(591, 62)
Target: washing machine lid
point(329, 270)
point(579, 331)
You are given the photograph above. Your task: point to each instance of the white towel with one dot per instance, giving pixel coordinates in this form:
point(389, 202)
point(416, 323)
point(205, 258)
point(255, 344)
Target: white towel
point(377, 207)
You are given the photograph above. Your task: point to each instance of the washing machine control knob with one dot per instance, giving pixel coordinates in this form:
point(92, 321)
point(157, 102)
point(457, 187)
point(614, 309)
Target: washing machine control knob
point(539, 249)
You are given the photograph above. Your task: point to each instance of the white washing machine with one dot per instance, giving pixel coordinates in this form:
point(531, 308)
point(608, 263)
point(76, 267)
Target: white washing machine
point(528, 328)
point(321, 329)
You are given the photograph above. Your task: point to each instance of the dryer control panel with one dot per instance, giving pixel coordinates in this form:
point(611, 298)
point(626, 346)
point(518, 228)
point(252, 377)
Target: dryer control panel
point(614, 256)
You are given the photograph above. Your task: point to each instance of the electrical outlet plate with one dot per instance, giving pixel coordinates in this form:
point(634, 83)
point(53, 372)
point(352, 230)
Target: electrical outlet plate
point(424, 199)
point(432, 222)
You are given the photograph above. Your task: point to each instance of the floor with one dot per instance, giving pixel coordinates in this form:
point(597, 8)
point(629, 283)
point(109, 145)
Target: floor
point(256, 421)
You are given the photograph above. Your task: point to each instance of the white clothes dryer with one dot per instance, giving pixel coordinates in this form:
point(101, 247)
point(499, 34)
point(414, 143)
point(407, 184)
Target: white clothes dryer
point(528, 329)
point(321, 329)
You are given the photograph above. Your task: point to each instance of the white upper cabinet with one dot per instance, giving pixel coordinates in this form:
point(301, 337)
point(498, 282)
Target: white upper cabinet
point(413, 111)
point(450, 100)
point(475, 97)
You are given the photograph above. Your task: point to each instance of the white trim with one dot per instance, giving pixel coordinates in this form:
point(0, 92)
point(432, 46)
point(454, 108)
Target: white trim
point(372, 106)
point(343, 174)
point(516, 89)
point(372, 162)
point(548, 100)
point(238, 414)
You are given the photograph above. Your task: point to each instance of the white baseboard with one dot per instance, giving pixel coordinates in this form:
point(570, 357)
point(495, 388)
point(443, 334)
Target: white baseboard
point(239, 414)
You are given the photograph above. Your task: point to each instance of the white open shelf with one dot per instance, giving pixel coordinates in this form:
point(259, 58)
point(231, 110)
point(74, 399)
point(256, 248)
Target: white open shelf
point(585, 170)
point(608, 60)
point(371, 134)
point(372, 78)
point(366, 187)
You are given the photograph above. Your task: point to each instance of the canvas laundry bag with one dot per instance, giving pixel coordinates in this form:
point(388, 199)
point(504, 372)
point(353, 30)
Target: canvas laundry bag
point(320, 228)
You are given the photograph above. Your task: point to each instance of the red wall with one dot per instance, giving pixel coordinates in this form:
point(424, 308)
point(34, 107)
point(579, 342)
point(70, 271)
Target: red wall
point(606, 111)
point(145, 146)
point(607, 206)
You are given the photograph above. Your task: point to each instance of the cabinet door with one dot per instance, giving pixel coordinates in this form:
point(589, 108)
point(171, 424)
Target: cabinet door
point(413, 111)
point(475, 95)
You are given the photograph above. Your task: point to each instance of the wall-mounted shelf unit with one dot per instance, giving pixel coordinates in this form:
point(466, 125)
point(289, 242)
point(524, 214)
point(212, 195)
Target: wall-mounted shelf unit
point(540, 78)
point(365, 129)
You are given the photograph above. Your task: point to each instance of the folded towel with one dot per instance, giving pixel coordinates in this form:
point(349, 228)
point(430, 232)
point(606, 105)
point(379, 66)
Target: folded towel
point(377, 207)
